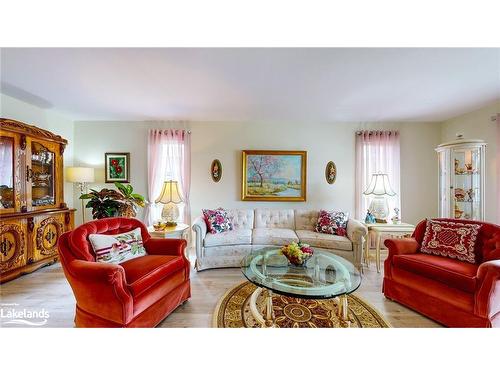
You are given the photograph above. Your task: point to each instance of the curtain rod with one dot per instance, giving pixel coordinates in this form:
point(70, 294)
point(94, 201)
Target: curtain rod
point(359, 132)
point(162, 130)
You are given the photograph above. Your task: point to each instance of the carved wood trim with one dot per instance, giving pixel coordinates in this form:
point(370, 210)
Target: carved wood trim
point(39, 235)
point(19, 245)
point(25, 129)
point(31, 224)
point(22, 143)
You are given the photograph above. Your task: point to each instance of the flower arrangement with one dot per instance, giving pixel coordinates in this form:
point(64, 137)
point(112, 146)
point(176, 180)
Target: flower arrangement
point(297, 253)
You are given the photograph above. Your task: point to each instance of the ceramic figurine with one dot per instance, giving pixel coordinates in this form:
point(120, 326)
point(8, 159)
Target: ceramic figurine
point(396, 219)
point(369, 219)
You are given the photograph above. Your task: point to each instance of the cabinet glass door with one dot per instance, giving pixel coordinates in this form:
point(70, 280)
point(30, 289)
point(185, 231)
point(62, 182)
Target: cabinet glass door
point(466, 193)
point(41, 176)
point(6, 173)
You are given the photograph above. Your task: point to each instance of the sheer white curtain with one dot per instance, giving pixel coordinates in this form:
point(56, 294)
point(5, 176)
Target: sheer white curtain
point(377, 151)
point(169, 158)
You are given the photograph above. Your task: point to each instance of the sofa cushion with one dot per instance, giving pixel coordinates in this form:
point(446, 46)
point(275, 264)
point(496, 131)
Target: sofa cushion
point(274, 218)
point(452, 272)
point(451, 239)
point(327, 241)
point(273, 236)
point(306, 219)
point(217, 220)
point(332, 222)
point(144, 272)
point(241, 219)
point(232, 237)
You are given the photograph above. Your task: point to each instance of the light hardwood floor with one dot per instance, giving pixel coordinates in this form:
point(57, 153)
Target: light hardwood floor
point(48, 288)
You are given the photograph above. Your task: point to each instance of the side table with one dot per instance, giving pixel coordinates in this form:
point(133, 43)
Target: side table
point(179, 231)
point(395, 230)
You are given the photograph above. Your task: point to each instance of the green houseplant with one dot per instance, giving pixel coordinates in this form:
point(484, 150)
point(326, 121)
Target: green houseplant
point(110, 202)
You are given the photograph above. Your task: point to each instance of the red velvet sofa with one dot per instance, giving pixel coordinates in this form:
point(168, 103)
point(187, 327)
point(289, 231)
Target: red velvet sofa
point(452, 292)
point(140, 292)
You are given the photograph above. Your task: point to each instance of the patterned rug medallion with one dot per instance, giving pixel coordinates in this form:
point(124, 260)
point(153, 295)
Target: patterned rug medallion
point(233, 311)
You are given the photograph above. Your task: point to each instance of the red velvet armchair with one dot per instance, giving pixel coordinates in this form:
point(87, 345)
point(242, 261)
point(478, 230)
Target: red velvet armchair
point(452, 292)
point(140, 292)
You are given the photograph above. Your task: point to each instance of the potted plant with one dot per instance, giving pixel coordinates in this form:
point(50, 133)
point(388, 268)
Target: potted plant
point(110, 203)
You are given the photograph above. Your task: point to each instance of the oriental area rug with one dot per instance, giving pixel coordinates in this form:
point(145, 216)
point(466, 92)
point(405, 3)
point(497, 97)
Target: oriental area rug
point(233, 311)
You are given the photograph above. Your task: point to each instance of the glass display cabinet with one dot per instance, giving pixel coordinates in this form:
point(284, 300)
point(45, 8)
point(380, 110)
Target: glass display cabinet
point(32, 210)
point(462, 179)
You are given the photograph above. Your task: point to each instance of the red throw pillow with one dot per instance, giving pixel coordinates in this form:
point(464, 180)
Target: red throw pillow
point(451, 239)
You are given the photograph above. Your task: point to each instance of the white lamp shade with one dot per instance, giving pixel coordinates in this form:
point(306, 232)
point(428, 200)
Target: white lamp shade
point(379, 185)
point(169, 193)
point(79, 174)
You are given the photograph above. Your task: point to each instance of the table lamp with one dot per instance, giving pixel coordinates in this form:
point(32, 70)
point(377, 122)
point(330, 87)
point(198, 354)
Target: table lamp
point(81, 176)
point(380, 188)
point(170, 197)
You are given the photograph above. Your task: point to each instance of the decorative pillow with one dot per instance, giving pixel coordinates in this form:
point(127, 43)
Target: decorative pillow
point(451, 239)
point(117, 248)
point(218, 220)
point(332, 222)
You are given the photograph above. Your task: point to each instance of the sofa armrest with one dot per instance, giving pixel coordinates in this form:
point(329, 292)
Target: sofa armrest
point(165, 246)
point(200, 230)
point(487, 298)
point(356, 231)
point(400, 246)
point(101, 289)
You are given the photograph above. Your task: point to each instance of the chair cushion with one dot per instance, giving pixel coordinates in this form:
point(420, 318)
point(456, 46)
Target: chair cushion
point(144, 272)
point(117, 248)
point(453, 240)
point(273, 236)
point(232, 237)
point(327, 241)
point(452, 272)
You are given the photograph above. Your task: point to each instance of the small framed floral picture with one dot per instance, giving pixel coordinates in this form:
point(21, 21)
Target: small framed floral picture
point(216, 170)
point(117, 166)
point(331, 172)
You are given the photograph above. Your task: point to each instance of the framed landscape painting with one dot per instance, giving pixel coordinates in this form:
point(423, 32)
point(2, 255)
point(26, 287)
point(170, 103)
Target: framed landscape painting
point(274, 175)
point(117, 166)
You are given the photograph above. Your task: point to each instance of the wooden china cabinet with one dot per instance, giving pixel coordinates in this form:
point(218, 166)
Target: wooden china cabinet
point(32, 210)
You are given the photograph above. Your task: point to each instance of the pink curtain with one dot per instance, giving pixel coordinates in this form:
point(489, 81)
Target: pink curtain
point(169, 158)
point(376, 151)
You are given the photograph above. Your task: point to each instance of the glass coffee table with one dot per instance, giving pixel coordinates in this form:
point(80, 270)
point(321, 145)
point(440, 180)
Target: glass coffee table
point(325, 276)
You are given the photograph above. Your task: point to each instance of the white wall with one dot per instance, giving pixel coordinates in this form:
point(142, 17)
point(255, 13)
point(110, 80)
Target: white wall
point(224, 141)
point(46, 119)
point(478, 125)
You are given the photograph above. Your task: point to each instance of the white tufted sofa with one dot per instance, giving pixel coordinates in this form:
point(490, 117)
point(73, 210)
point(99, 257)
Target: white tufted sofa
point(253, 229)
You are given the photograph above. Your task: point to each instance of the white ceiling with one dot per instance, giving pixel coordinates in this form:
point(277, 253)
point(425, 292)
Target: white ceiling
point(329, 84)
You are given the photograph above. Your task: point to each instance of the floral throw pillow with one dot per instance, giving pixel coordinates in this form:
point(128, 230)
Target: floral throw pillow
point(117, 248)
point(451, 239)
point(217, 220)
point(332, 222)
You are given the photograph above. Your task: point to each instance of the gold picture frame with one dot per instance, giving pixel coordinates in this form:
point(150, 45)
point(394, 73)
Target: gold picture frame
point(270, 175)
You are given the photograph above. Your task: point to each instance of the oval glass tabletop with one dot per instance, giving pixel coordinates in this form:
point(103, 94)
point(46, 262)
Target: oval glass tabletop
point(325, 275)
